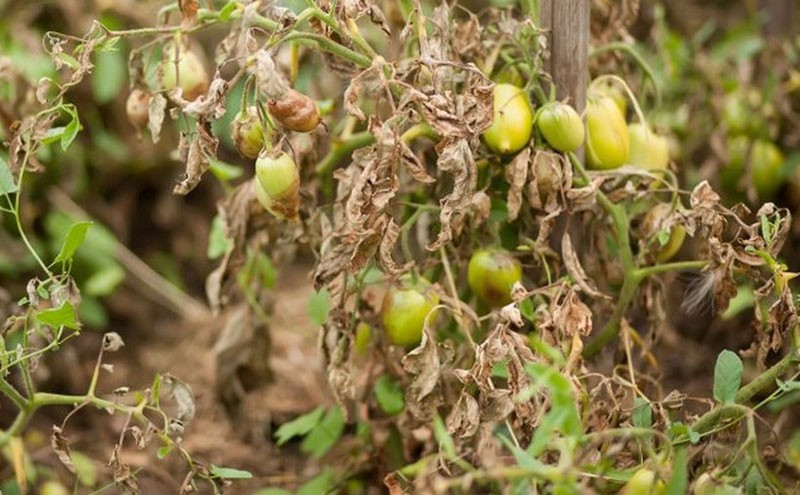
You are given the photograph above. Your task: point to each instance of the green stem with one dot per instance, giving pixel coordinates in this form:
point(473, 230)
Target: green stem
point(643, 273)
point(9, 391)
point(636, 56)
point(341, 149)
point(330, 46)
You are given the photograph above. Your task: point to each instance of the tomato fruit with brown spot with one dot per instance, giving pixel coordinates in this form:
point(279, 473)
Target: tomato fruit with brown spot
point(491, 274)
point(405, 310)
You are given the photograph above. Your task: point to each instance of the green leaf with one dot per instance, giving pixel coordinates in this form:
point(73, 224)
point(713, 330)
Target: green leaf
point(298, 426)
point(225, 171)
point(727, 376)
point(319, 304)
point(109, 74)
point(744, 299)
point(679, 480)
point(319, 485)
point(230, 473)
point(62, 315)
point(642, 415)
point(75, 237)
point(325, 434)
point(70, 132)
point(7, 185)
point(104, 281)
point(389, 395)
point(218, 243)
point(84, 468)
point(164, 451)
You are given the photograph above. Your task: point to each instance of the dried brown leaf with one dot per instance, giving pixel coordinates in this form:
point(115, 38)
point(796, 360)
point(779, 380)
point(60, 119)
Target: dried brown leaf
point(516, 174)
point(455, 159)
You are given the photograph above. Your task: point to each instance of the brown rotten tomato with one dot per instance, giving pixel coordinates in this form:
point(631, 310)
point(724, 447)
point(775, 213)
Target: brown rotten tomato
point(138, 107)
point(295, 111)
point(405, 309)
point(607, 142)
point(491, 275)
point(277, 185)
point(561, 126)
point(182, 68)
point(512, 124)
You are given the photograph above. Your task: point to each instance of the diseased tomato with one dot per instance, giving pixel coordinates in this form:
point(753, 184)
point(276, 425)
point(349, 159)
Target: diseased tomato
point(405, 309)
point(248, 134)
point(189, 74)
point(295, 111)
point(647, 149)
point(137, 107)
point(607, 143)
point(561, 126)
point(512, 124)
point(277, 185)
point(491, 274)
point(643, 482)
point(653, 225)
point(765, 161)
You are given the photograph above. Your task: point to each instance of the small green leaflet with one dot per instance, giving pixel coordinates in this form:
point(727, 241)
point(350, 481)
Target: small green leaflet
point(7, 185)
point(389, 395)
point(325, 434)
point(319, 304)
point(727, 376)
point(56, 317)
point(299, 426)
point(75, 237)
point(642, 415)
point(230, 473)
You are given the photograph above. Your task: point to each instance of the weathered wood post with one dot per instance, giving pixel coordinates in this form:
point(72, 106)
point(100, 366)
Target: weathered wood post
point(567, 23)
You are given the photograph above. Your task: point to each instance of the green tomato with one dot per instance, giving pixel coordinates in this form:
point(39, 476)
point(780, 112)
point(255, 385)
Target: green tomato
point(706, 485)
point(651, 225)
point(404, 311)
point(607, 142)
point(512, 124)
point(615, 93)
point(643, 482)
point(647, 149)
point(53, 488)
point(247, 133)
point(277, 185)
point(765, 161)
point(492, 274)
point(561, 126)
point(190, 75)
